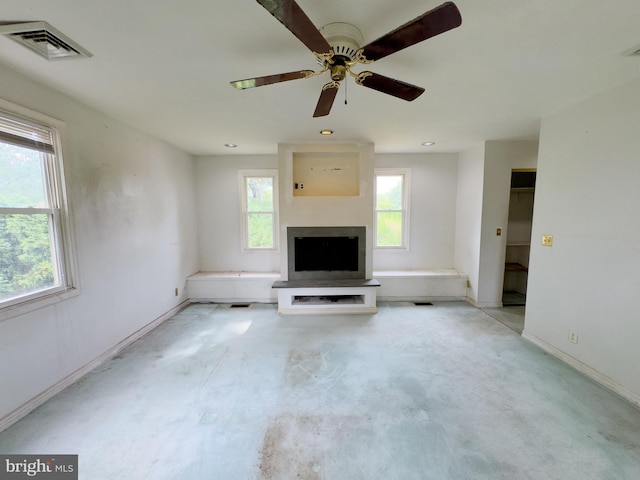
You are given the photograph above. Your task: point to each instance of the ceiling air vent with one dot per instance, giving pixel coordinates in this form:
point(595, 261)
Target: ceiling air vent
point(45, 40)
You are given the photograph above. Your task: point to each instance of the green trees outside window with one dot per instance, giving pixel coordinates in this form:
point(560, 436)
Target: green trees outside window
point(26, 258)
point(260, 212)
point(35, 260)
point(389, 210)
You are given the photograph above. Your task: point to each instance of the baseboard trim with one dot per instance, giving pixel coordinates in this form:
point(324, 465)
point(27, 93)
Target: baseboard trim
point(481, 305)
point(594, 375)
point(35, 402)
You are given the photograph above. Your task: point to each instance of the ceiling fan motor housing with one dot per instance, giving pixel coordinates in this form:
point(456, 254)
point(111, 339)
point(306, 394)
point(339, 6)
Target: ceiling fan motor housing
point(345, 40)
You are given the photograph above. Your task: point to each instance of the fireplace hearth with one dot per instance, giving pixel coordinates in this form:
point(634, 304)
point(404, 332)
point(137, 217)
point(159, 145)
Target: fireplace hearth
point(326, 272)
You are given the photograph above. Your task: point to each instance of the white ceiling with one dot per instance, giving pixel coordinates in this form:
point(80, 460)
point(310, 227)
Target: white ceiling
point(164, 66)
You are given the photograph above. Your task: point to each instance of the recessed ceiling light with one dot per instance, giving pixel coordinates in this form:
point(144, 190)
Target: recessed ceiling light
point(326, 132)
point(428, 144)
point(230, 145)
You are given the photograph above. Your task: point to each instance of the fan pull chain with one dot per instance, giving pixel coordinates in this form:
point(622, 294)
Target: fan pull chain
point(345, 92)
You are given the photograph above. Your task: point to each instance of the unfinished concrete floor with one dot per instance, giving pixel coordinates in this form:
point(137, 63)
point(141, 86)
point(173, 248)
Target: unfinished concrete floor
point(414, 392)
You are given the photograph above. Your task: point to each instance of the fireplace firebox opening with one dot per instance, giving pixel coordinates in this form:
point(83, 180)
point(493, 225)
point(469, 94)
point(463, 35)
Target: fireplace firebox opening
point(326, 252)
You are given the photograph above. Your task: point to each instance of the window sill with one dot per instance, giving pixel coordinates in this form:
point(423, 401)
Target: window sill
point(27, 306)
point(391, 249)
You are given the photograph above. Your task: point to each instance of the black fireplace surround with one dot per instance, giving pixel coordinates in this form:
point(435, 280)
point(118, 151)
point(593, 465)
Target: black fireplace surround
point(326, 252)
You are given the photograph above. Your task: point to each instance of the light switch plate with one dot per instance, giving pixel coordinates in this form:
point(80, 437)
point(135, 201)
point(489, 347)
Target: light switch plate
point(547, 240)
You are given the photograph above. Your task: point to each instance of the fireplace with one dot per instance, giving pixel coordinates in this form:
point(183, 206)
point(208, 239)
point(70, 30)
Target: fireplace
point(326, 253)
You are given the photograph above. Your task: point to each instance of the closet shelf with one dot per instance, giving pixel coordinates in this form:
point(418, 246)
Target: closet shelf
point(515, 267)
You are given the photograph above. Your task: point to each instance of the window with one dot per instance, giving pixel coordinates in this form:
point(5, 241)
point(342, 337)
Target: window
point(34, 253)
point(391, 207)
point(259, 190)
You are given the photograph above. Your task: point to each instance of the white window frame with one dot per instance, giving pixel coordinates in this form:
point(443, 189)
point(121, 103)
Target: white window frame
point(406, 195)
point(58, 209)
point(242, 183)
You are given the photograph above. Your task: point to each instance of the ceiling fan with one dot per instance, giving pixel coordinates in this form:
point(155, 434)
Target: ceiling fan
point(337, 49)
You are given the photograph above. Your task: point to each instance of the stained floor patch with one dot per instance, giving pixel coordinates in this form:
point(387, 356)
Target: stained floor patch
point(297, 446)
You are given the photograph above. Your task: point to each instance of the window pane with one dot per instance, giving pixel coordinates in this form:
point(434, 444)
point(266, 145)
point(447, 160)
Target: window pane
point(260, 194)
point(389, 192)
point(26, 263)
point(260, 230)
point(21, 177)
point(389, 229)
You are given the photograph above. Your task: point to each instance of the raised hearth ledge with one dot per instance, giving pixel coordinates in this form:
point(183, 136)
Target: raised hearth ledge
point(324, 300)
point(327, 283)
point(314, 296)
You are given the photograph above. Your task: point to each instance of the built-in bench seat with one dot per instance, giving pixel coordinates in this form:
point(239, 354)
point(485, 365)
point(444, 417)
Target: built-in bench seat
point(411, 285)
point(230, 287)
point(422, 285)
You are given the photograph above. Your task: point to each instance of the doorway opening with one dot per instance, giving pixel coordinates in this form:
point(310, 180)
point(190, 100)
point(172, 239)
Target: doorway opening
point(514, 290)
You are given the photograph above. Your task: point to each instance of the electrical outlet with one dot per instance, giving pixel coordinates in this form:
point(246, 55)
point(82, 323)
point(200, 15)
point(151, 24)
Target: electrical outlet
point(573, 336)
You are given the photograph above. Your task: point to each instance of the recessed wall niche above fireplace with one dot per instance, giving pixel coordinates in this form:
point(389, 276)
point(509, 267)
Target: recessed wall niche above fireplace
point(322, 253)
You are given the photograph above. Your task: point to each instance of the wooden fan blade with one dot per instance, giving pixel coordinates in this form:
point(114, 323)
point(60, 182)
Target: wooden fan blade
point(269, 79)
point(325, 102)
point(390, 86)
point(429, 24)
point(289, 13)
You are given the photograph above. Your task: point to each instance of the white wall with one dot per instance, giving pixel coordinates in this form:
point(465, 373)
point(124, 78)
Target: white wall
point(587, 197)
point(484, 185)
point(469, 216)
point(501, 157)
point(432, 212)
point(219, 215)
point(133, 217)
point(433, 206)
